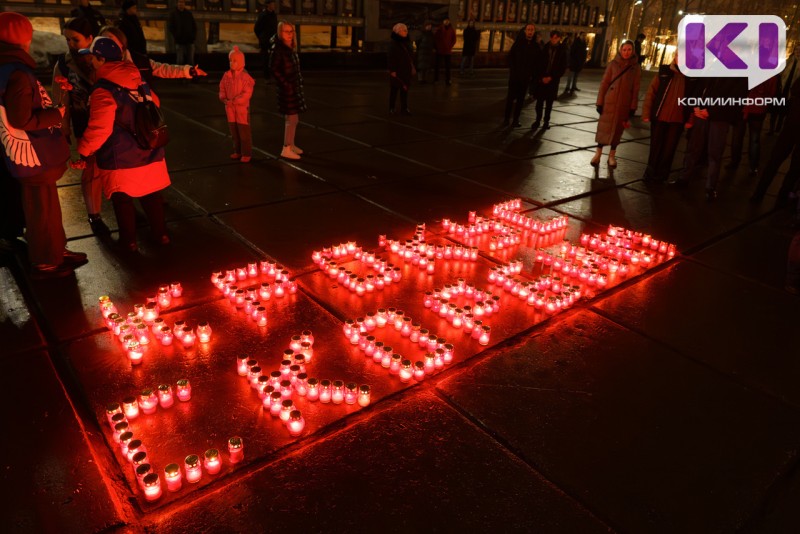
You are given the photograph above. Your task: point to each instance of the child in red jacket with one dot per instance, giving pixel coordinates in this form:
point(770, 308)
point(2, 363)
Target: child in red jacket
point(235, 90)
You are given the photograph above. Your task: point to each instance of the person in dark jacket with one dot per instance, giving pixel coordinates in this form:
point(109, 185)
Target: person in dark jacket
point(265, 28)
point(471, 39)
point(577, 59)
point(786, 145)
point(710, 125)
point(523, 58)
point(752, 120)
point(667, 119)
point(95, 18)
point(129, 24)
point(289, 86)
point(34, 150)
point(445, 37)
point(183, 29)
point(553, 63)
point(426, 50)
point(401, 67)
point(637, 47)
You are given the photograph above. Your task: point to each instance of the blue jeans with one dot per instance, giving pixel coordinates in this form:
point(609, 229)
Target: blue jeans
point(185, 54)
point(572, 80)
point(467, 61)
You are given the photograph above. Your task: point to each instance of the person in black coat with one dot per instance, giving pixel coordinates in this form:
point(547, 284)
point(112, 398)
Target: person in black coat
point(129, 24)
point(183, 29)
point(94, 17)
point(265, 28)
point(577, 59)
point(471, 38)
point(552, 65)
point(523, 58)
point(289, 86)
point(401, 67)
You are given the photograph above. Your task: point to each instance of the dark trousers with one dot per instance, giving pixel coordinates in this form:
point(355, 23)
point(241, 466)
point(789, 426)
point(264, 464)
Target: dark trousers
point(545, 103)
point(125, 211)
point(12, 218)
point(393, 90)
point(664, 139)
point(44, 228)
point(515, 98)
point(784, 146)
point(754, 125)
point(242, 138)
point(711, 135)
point(443, 59)
point(265, 57)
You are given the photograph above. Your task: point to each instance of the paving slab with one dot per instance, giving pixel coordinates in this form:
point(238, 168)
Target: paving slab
point(60, 486)
point(738, 327)
point(447, 155)
point(517, 142)
point(631, 429)
point(570, 136)
point(454, 468)
point(316, 222)
point(223, 404)
point(70, 306)
point(376, 133)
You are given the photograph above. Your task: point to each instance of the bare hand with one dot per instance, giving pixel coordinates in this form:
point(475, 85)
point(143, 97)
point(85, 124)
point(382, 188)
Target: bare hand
point(199, 72)
point(63, 83)
point(77, 164)
point(62, 110)
point(546, 79)
point(645, 119)
point(626, 124)
point(701, 113)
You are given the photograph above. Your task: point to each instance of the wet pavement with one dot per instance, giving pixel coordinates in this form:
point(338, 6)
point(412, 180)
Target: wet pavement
point(666, 401)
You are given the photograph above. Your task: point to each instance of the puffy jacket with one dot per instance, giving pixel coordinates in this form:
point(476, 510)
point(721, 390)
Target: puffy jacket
point(619, 97)
point(661, 100)
point(288, 80)
point(445, 37)
point(401, 60)
point(235, 91)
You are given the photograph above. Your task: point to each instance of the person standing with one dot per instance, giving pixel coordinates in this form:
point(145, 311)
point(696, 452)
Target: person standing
point(131, 27)
point(127, 170)
point(617, 100)
point(445, 37)
point(667, 119)
point(183, 29)
point(235, 91)
point(289, 86)
point(710, 125)
point(95, 18)
point(401, 67)
point(426, 50)
point(637, 48)
point(553, 63)
point(577, 59)
point(34, 150)
point(523, 58)
point(752, 120)
point(265, 28)
point(472, 39)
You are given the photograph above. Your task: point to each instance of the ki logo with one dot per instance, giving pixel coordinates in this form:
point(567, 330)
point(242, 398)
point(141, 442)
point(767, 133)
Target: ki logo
point(728, 46)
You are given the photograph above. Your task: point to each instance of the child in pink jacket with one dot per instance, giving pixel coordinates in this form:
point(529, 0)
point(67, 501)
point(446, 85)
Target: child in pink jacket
point(235, 90)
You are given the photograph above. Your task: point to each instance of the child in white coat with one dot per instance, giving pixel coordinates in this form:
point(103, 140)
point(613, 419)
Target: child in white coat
point(235, 90)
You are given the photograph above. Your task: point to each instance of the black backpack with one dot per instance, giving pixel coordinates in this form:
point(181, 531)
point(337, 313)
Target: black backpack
point(150, 128)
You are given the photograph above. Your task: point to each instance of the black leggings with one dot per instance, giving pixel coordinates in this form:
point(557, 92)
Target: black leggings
point(125, 211)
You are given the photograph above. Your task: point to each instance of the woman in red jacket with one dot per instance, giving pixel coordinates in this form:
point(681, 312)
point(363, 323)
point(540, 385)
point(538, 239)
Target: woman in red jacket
point(127, 170)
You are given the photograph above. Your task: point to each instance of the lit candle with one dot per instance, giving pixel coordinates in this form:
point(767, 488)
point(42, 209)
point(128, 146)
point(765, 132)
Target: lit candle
point(351, 393)
point(165, 398)
point(275, 400)
point(163, 297)
point(188, 337)
point(236, 449)
point(184, 390)
point(113, 409)
point(135, 352)
point(152, 487)
point(287, 407)
point(150, 313)
point(142, 334)
point(364, 396)
point(131, 407)
point(261, 316)
point(337, 392)
point(406, 372)
point(172, 474)
point(241, 365)
point(296, 423)
point(313, 389)
point(324, 391)
point(419, 370)
point(120, 428)
point(134, 446)
point(211, 461)
point(124, 440)
point(166, 336)
point(191, 465)
point(141, 471)
point(148, 401)
point(203, 332)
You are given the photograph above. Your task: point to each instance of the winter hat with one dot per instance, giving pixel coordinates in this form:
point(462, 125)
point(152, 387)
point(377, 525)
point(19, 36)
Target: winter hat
point(236, 51)
point(105, 48)
point(15, 29)
point(127, 4)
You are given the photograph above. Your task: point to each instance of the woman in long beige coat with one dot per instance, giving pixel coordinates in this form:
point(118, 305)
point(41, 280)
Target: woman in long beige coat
point(617, 101)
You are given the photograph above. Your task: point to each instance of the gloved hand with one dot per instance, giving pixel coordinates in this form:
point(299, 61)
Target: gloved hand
point(600, 110)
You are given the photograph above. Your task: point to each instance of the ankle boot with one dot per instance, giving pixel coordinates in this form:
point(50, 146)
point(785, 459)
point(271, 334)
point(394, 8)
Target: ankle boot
point(596, 159)
point(612, 160)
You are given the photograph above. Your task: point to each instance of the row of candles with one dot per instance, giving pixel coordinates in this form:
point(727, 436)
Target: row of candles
point(270, 269)
point(136, 452)
point(385, 272)
point(149, 311)
point(618, 239)
point(438, 351)
point(468, 317)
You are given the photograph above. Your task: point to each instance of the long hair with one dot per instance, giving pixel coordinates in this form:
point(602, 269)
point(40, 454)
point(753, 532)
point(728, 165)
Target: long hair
point(80, 25)
point(118, 34)
point(283, 23)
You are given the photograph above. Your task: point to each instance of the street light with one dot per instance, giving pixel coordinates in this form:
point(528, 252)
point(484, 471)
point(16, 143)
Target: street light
point(630, 17)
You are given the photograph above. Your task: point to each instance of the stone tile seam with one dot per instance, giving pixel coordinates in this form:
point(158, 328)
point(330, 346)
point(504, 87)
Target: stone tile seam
point(727, 233)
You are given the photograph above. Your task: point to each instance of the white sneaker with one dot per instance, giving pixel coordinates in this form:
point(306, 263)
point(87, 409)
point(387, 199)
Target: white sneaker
point(297, 150)
point(288, 154)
